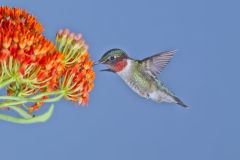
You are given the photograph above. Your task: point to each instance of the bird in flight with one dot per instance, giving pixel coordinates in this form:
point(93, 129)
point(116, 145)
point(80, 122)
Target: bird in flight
point(141, 75)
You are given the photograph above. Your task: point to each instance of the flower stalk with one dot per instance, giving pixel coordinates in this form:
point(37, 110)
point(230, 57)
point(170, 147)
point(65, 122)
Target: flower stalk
point(34, 71)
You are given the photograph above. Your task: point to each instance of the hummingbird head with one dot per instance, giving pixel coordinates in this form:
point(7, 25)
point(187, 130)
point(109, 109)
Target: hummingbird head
point(114, 59)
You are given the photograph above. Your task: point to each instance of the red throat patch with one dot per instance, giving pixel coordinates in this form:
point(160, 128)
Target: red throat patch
point(120, 65)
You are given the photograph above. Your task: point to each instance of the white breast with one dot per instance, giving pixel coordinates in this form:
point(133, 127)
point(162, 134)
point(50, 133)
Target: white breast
point(125, 74)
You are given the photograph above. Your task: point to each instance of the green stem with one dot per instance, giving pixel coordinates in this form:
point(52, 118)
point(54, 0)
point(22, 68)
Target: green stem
point(41, 118)
point(21, 112)
point(23, 99)
point(6, 82)
point(49, 94)
point(20, 100)
point(33, 99)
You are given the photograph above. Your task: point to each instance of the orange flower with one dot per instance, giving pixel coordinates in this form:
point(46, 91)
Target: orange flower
point(35, 57)
point(77, 83)
point(78, 75)
point(33, 70)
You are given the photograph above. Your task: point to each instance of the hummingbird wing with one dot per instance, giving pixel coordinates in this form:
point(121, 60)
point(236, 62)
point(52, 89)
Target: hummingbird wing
point(156, 63)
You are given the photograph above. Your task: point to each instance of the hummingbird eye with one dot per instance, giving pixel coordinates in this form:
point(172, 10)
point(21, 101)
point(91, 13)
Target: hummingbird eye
point(112, 58)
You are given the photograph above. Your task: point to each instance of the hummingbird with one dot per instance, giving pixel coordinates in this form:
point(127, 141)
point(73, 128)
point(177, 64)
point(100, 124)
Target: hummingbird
point(141, 75)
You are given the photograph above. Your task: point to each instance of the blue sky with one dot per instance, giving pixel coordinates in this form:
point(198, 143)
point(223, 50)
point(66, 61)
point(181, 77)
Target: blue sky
point(118, 124)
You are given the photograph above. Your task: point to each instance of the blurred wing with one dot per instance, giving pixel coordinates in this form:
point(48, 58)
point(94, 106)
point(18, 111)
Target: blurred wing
point(156, 63)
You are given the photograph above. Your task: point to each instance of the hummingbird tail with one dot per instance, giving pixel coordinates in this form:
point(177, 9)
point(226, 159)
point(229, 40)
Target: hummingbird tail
point(179, 102)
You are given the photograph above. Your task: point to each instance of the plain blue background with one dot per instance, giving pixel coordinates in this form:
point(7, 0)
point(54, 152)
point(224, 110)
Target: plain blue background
point(119, 125)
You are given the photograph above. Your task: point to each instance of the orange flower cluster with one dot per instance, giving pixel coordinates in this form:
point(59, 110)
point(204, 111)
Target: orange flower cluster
point(31, 64)
point(79, 76)
point(21, 40)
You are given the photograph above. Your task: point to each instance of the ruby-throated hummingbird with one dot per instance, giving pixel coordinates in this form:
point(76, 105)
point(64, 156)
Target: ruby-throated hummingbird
point(141, 75)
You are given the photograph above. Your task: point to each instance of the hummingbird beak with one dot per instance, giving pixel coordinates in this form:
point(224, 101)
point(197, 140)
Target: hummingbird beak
point(107, 70)
point(96, 63)
point(103, 70)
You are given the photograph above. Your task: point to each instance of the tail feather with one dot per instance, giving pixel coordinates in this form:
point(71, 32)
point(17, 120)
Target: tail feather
point(178, 101)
